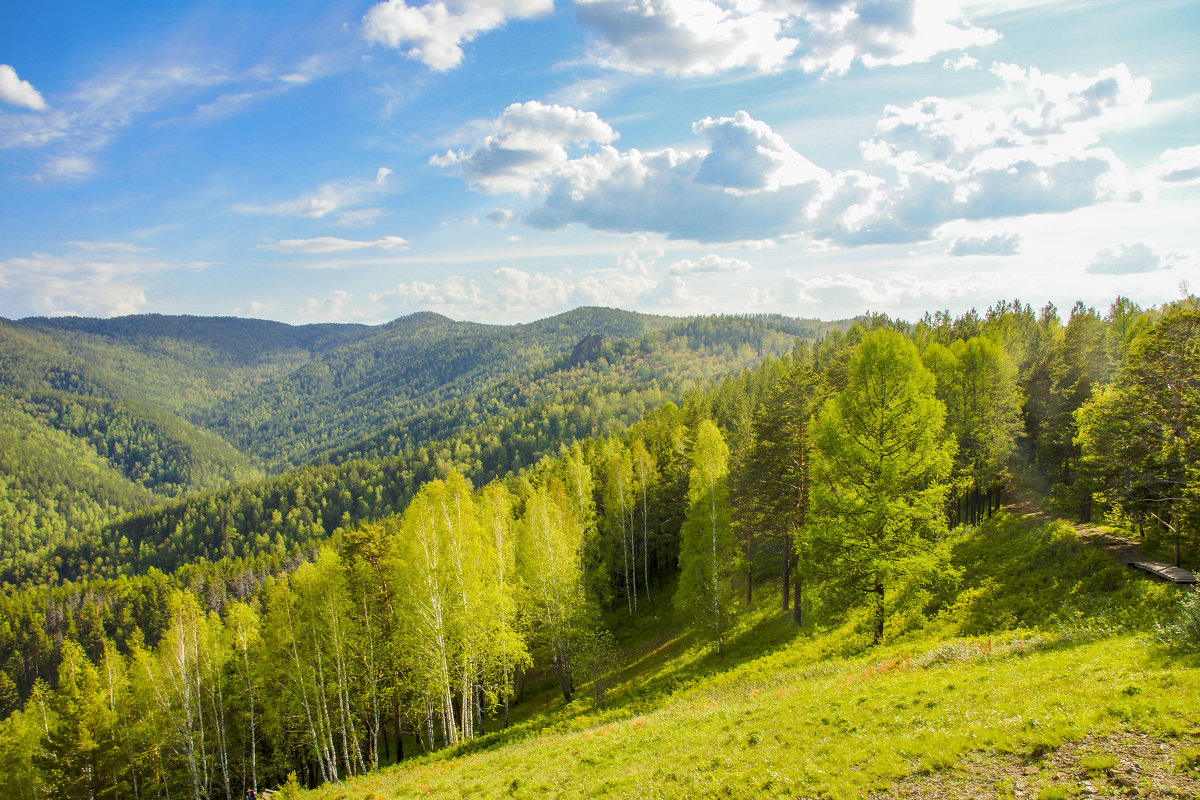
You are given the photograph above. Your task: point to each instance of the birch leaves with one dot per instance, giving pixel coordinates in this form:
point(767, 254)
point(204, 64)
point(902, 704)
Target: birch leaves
point(456, 568)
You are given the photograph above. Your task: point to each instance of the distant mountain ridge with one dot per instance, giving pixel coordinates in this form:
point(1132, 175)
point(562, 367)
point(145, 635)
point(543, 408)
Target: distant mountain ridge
point(165, 407)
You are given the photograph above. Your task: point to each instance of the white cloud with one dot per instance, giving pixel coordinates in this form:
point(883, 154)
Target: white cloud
point(527, 142)
point(93, 278)
point(709, 263)
point(1179, 166)
point(1000, 244)
point(638, 261)
point(520, 291)
point(154, 88)
point(99, 110)
point(1061, 115)
point(685, 37)
point(1128, 260)
point(513, 293)
point(435, 32)
point(16, 92)
point(330, 197)
point(703, 37)
point(884, 33)
point(612, 288)
point(259, 308)
point(452, 295)
point(845, 294)
point(747, 156)
point(331, 308)
point(330, 244)
point(933, 162)
point(501, 216)
point(1062, 101)
point(965, 61)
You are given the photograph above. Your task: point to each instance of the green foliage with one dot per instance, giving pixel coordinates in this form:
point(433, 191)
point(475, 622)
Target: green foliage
point(880, 455)
point(708, 552)
point(1181, 629)
point(1140, 437)
point(334, 618)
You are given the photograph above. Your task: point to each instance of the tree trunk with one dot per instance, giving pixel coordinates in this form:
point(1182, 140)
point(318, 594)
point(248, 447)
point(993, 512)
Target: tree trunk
point(749, 566)
point(787, 568)
point(879, 612)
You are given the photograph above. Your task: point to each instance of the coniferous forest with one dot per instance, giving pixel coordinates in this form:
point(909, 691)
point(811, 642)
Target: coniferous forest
point(239, 554)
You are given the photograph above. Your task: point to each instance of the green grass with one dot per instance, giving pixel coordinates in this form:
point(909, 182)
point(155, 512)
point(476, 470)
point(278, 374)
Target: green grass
point(994, 665)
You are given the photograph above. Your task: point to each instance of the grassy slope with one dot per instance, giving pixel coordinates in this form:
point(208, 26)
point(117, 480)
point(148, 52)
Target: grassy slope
point(1040, 651)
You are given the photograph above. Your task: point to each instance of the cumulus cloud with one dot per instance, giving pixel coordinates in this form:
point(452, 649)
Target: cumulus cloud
point(1000, 244)
point(1179, 166)
point(1061, 116)
point(685, 37)
point(737, 190)
point(884, 33)
point(612, 288)
point(527, 142)
point(518, 290)
point(747, 156)
point(965, 61)
point(450, 294)
point(703, 37)
point(1060, 101)
point(330, 244)
point(328, 198)
point(259, 308)
point(709, 263)
point(16, 92)
point(435, 32)
point(91, 278)
point(331, 308)
point(930, 163)
point(640, 259)
point(1128, 260)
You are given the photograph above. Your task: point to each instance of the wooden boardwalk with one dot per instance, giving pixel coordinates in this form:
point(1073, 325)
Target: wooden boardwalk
point(1165, 571)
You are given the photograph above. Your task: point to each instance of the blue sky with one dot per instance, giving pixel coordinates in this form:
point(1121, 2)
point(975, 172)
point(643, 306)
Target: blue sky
point(503, 161)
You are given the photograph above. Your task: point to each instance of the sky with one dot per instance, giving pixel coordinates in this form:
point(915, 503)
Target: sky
point(507, 160)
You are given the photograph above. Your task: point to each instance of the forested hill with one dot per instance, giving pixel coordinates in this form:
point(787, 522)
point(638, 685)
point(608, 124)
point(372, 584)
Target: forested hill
point(170, 406)
point(335, 619)
point(284, 394)
point(350, 392)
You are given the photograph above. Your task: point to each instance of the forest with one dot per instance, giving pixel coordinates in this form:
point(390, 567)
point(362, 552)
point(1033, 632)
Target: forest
point(208, 591)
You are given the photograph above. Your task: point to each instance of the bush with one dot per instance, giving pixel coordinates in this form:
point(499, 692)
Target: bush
point(1182, 631)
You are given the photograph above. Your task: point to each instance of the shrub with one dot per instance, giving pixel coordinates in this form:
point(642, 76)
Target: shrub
point(1181, 631)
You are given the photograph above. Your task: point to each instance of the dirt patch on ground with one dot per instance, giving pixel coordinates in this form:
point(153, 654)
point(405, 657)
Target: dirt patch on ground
point(1122, 549)
point(1117, 765)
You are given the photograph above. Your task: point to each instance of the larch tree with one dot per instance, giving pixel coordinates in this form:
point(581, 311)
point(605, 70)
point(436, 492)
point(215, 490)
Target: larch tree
point(709, 554)
point(880, 455)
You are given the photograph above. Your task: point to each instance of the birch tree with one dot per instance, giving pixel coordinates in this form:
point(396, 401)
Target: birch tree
point(708, 551)
point(549, 565)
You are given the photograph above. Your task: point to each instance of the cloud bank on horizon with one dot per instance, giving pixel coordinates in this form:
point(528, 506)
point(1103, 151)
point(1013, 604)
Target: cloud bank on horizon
point(503, 160)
